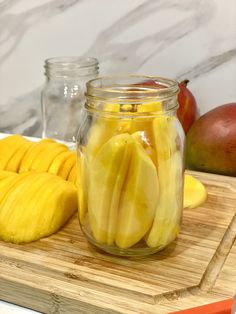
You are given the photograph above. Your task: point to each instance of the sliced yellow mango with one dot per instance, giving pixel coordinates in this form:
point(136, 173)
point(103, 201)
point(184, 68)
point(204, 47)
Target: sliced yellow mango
point(58, 162)
point(117, 189)
point(73, 175)
point(33, 153)
point(39, 205)
point(6, 174)
point(9, 184)
point(195, 193)
point(46, 157)
point(147, 143)
point(101, 131)
point(169, 208)
point(106, 127)
point(106, 175)
point(151, 107)
point(138, 200)
point(82, 184)
point(15, 161)
point(67, 165)
point(8, 147)
point(5, 184)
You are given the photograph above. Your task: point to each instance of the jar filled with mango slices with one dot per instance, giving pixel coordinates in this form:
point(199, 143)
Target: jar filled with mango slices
point(130, 165)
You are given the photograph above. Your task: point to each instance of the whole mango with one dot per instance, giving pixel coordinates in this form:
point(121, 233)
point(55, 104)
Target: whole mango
point(211, 141)
point(187, 111)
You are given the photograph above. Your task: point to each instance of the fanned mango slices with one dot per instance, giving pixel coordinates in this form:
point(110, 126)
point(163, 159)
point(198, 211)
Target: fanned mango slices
point(6, 174)
point(67, 165)
point(8, 147)
point(33, 153)
point(35, 205)
point(15, 161)
point(195, 193)
point(46, 157)
point(18, 154)
point(58, 161)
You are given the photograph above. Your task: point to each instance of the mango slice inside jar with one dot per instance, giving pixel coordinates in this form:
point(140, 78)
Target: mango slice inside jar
point(130, 180)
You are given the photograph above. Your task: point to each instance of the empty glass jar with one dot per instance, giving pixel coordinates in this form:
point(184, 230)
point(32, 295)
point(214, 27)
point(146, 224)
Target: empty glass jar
point(130, 165)
point(63, 95)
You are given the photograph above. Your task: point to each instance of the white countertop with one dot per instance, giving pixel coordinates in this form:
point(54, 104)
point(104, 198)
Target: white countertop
point(7, 308)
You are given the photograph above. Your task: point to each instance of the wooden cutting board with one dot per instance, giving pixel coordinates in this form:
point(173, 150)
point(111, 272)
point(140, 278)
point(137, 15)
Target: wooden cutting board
point(64, 274)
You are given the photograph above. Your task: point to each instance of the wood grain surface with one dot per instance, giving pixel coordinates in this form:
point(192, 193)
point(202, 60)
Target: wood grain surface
point(64, 274)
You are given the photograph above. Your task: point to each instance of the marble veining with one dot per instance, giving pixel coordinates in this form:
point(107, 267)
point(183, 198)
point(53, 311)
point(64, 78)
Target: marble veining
point(194, 39)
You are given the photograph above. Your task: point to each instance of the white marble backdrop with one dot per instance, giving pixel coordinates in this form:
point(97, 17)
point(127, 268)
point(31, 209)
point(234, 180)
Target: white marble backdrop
point(194, 39)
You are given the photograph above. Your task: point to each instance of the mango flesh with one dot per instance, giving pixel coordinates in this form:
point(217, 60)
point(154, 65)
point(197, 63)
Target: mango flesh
point(72, 177)
point(34, 203)
point(67, 165)
point(106, 176)
point(46, 157)
point(167, 219)
point(124, 203)
point(82, 184)
point(8, 147)
point(18, 154)
point(104, 128)
point(58, 161)
point(211, 142)
point(195, 193)
point(15, 161)
point(37, 206)
point(139, 199)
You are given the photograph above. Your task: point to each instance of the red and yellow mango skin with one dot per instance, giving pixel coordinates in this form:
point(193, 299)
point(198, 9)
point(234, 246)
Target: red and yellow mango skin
point(187, 111)
point(211, 141)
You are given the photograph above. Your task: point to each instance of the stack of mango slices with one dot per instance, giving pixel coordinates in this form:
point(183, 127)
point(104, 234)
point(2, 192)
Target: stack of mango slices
point(37, 191)
point(130, 185)
point(20, 155)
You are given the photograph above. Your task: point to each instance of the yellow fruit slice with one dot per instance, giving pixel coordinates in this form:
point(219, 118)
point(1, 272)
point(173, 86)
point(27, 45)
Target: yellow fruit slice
point(6, 174)
point(151, 107)
point(46, 157)
point(106, 176)
point(169, 208)
point(33, 153)
point(53, 206)
point(8, 147)
point(73, 175)
point(82, 184)
point(106, 127)
point(99, 134)
point(117, 189)
point(15, 161)
point(67, 165)
point(195, 193)
point(139, 199)
point(5, 183)
point(47, 140)
point(21, 199)
point(39, 206)
point(147, 143)
point(58, 162)
point(9, 184)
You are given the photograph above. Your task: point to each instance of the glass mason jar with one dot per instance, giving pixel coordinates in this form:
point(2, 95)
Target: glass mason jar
point(63, 96)
point(130, 165)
